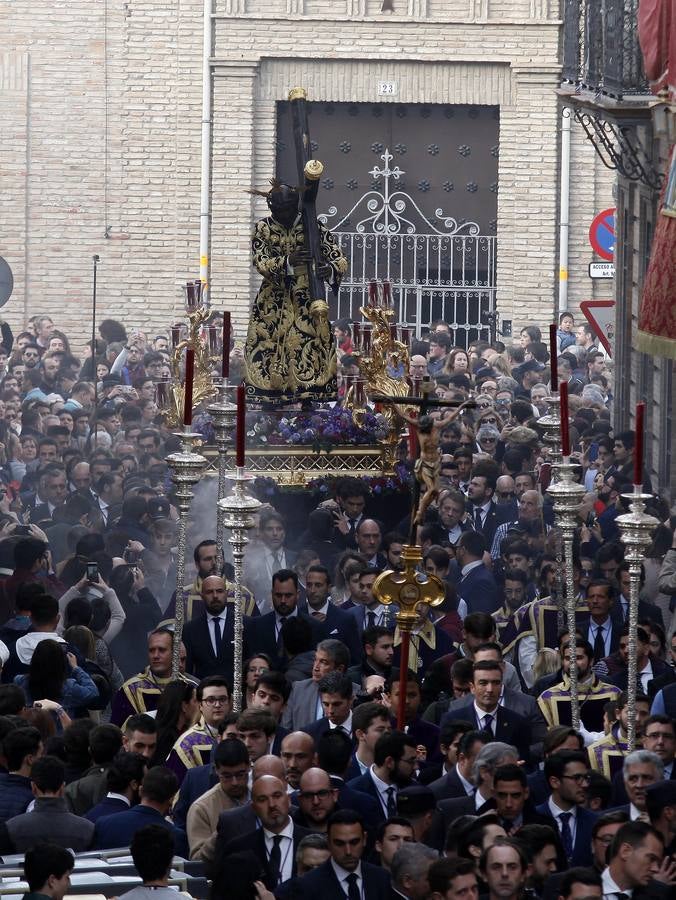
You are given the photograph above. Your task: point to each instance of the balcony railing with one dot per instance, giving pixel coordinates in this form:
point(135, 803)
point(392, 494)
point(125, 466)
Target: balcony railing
point(601, 52)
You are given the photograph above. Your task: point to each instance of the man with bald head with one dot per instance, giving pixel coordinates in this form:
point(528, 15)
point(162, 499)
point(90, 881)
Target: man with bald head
point(369, 537)
point(298, 754)
point(317, 799)
point(275, 842)
point(529, 516)
point(209, 636)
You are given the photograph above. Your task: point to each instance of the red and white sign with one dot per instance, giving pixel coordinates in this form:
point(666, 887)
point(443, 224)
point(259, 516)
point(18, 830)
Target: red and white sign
point(601, 316)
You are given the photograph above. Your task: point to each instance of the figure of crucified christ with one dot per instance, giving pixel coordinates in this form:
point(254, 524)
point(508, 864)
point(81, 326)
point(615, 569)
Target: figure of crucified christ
point(428, 465)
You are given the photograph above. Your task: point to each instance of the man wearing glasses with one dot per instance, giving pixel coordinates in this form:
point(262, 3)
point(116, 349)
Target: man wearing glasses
point(567, 775)
point(193, 748)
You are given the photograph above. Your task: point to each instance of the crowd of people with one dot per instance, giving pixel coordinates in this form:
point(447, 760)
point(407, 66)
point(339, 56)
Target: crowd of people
point(311, 788)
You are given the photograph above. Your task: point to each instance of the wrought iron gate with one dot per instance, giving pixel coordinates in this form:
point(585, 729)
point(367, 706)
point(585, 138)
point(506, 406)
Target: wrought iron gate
point(438, 271)
point(442, 264)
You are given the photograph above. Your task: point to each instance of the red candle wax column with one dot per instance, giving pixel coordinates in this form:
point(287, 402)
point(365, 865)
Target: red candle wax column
point(565, 425)
point(240, 430)
point(356, 335)
point(187, 393)
point(553, 358)
point(225, 366)
point(639, 445)
point(404, 653)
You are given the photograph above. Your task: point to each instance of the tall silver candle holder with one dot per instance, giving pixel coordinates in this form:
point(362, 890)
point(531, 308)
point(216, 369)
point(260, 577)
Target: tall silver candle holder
point(238, 509)
point(186, 469)
point(636, 529)
point(551, 435)
point(551, 432)
point(567, 496)
point(223, 414)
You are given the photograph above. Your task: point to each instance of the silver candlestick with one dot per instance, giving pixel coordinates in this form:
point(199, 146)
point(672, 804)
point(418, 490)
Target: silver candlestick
point(636, 529)
point(567, 496)
point(551, 435)
point(186, 469)
point(223, 414)
point(551, 427)
point(238, 509)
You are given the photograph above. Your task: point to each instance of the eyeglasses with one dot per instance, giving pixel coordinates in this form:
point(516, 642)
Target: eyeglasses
point(490, 420)
point(213, 701)
point(488, 440)
point(311, 795)
point(580, 778)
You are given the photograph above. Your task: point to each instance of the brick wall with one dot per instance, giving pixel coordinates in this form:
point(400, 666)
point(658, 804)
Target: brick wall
point(104, 110)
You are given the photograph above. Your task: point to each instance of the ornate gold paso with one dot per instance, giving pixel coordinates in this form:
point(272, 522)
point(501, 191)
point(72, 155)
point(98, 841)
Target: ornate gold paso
point(297, 93)
point(385, 351)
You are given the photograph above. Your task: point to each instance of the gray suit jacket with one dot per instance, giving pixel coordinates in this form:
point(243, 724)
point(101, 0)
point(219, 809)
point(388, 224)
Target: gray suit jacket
point(301, 708)
point(50, 820)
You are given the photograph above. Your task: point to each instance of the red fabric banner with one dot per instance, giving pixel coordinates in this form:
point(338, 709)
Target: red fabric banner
point(657, 36)
point(657, 317)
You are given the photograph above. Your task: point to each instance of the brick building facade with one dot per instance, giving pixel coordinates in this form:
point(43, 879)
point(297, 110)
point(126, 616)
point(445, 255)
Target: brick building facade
point(101, 109)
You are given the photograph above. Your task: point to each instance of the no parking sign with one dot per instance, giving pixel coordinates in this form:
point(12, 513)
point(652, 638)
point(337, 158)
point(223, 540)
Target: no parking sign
point(602, 234)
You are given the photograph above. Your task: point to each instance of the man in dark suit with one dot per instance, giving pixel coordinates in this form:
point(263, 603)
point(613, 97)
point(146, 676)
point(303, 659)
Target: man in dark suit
point(484, 712)
point(601, 626)
point(123, 781)
point(334, 752)
point(264, 633)
point(208, 637)
point(477, 586)
point(485, 514)
point(567, 773)
point(457, 781)
point(345, 874)
point(157, 793)
point(335, 695)
point(394, 759)
point(512, 802)
point(338, 623)
point(369, 537)
point(275, 843)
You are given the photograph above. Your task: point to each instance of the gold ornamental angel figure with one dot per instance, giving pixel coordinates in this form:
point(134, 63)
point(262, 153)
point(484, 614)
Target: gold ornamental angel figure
point(290, 353)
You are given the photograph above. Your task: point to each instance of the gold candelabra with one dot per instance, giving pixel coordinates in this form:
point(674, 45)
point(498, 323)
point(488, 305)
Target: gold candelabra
point(170, 396)
point(379, 352)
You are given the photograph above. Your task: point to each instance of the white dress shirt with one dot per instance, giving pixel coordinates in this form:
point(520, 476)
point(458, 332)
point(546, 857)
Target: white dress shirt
point(383, 790)
point(346, 725)
point(481, 716)
point(464, 572)
point(342, 875)
point(556, 811)
point(286, 849)
point(607, 633)
point(610, 889)
point(467, 785)
point(212, 630)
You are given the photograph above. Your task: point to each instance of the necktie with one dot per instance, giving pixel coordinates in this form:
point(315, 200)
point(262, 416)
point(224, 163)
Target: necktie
point(599, 644)
point(319, 616)
point(276, 859)
point(218, 635)
point(477, 518)
point(280, 638)
point(391, 802)
point(488, 722)
point(370, 619)
point(566, 834)
point(352, 887)
point(508, 824)
point(276, 561)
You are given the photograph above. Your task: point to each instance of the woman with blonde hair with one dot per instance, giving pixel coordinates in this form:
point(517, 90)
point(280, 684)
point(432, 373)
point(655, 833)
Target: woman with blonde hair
point(546, 663)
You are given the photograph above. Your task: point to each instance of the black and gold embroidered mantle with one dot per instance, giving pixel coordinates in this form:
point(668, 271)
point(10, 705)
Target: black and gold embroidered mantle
point(290, 355)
